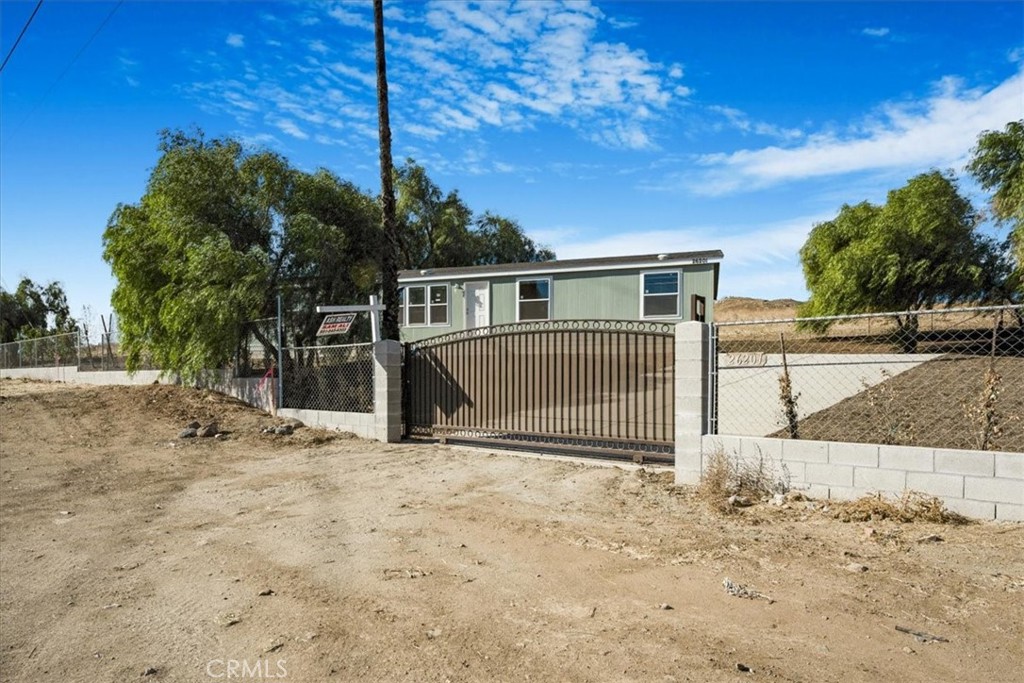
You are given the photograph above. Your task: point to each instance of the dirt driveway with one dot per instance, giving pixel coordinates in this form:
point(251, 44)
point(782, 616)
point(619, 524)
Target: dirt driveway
point(128, 554)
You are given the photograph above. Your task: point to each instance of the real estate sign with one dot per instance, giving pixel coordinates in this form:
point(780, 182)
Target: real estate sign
point(336, 323)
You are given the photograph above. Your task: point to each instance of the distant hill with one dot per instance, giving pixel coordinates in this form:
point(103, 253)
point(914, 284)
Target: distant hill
point(744, 308)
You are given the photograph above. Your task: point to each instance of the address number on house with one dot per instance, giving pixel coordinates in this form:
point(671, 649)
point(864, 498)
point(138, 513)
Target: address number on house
point(748, 359)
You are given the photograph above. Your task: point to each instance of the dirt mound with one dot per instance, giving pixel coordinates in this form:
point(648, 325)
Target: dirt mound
point(926, 406)
point(733, 308)
point(159, 411)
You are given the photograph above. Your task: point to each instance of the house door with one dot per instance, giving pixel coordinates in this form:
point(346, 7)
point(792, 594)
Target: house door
point(478, 305)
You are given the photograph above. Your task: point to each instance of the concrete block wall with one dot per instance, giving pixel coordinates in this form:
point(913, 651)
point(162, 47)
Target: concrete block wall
point(977, 484)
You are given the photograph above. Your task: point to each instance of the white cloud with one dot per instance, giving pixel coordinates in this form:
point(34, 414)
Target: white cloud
point(936, 132)
point(345, 16)
point(741, 122)
point(367, 80)
point(459, 69)
point(621, 23)
point(235, 40)
point(521, 63)
point(288, 127)
point(880, 32)
point(419, 130)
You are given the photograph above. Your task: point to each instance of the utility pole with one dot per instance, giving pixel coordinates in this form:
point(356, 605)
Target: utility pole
point(389, 245)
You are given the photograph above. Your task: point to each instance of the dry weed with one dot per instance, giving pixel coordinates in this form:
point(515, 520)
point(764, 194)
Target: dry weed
point(889, 409)
point(726, 476)
point(790, 416)
point(911, 506)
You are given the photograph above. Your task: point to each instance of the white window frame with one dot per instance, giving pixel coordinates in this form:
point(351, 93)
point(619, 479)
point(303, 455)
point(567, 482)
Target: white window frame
point(679, 294)
point(427, 317)
point(550, 299)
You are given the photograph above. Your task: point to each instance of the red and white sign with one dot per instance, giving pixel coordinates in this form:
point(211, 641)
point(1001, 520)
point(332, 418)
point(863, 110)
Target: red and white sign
point(336, 323)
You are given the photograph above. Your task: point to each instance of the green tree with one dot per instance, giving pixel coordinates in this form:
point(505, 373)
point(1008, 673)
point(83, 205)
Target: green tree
point(217, 235)
point(502, 240)
point(438, 230)
point(918, 249)
point(221, 232)
point(998, 165)
point(32, 311)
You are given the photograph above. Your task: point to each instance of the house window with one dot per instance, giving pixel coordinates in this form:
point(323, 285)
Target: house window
point(426, 305)
point(534, 299)
point(660, 297)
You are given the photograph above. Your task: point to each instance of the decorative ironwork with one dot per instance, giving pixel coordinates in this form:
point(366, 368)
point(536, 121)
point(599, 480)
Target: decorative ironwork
point(528, 327)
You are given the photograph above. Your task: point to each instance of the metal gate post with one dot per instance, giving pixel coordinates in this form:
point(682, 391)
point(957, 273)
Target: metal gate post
point(712, 378)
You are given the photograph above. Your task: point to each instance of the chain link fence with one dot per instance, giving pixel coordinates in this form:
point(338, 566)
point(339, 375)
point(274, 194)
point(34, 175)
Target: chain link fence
point(337, 378)
point(106, 355)
point(949, 378)
point(43, 352)
point(257, 348)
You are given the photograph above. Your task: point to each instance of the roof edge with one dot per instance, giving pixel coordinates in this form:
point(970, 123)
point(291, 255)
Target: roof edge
point(567, 265)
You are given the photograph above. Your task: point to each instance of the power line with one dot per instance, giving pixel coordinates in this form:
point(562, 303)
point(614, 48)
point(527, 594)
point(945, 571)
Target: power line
point(75, 58)
point(84, 47)
point(23, 29)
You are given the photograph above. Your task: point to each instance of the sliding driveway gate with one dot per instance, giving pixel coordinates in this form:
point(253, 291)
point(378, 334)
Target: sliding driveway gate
point(603, 388)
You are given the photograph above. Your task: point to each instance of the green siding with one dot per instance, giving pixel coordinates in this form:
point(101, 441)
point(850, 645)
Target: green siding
point(503, 300)
point(597, 296)
point(613, 295)
point(699, 280)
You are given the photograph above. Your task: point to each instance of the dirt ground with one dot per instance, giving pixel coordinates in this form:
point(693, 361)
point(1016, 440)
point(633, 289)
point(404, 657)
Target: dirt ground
point(129, 554)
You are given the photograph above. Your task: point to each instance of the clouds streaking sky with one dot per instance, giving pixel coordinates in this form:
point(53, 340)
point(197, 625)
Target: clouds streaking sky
point(604, 128)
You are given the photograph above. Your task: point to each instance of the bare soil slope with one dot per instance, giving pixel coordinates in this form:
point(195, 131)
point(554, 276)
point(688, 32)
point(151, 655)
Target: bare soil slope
point(127, 554)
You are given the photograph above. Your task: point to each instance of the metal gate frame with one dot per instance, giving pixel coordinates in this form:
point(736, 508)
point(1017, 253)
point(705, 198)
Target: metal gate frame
point(587, 387)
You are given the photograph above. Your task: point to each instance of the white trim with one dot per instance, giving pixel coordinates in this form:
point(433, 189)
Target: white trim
point(404, 304)
point(689, 261)
point(679, 294)
point(550, 299)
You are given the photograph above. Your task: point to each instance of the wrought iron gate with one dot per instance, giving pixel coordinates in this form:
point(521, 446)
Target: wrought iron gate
point(597, 387)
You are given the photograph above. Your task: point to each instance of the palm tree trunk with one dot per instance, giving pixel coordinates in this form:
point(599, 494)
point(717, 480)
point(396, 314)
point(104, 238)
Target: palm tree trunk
point(389, 245)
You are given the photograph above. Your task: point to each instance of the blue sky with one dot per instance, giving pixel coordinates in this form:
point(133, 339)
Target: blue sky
point(604, 128)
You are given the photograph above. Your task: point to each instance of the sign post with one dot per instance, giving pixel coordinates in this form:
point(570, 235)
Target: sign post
point(373, 309)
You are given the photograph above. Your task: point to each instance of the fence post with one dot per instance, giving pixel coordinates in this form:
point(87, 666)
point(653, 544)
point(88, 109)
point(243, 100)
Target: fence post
point(280, 355)
point(387, 390)
point(692, 411)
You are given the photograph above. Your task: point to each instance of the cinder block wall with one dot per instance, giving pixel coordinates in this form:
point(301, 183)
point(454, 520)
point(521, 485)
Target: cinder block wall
point(978, 484)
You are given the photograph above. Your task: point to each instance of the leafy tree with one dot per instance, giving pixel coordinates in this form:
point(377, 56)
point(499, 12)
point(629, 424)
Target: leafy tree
point(502, 240)
point(438, 230)
point(998, 165)
point(32, 311)
point(918, 249)
point(221, 232)
point(217, 234)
